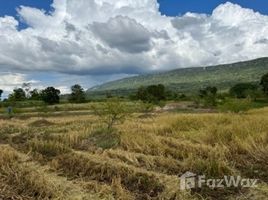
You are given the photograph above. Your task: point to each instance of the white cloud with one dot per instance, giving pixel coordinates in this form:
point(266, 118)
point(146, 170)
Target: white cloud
point(9, 81)
point(127, 36)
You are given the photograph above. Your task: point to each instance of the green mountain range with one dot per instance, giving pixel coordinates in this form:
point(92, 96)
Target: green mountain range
point(191, 79)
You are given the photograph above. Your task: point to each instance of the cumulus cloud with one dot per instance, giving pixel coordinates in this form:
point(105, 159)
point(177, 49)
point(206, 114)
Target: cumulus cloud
point(123, 33)
point(127, 37)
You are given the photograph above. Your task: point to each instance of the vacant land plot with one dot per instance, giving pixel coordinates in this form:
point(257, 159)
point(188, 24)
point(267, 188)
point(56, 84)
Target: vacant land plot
point(74, 157)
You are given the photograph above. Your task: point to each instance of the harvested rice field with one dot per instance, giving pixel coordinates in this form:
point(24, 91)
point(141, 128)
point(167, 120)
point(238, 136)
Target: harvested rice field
point(74, 157)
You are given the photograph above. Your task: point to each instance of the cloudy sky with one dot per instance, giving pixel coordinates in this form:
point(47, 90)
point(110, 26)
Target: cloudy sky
point(63, 42)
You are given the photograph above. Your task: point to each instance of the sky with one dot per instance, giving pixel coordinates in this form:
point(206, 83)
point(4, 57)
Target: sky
point(63, 42)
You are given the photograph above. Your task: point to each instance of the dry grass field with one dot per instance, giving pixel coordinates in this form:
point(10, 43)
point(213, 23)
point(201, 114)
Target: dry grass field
point(72, 157)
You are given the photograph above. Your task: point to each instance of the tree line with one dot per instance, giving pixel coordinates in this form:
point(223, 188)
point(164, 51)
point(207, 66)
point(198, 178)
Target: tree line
point(153, 94)
point(49, 95)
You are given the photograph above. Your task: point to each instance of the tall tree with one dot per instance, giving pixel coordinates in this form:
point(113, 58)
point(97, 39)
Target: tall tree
point(50, 95)
point(78, 94)
point(17, 95)
point(264, 83)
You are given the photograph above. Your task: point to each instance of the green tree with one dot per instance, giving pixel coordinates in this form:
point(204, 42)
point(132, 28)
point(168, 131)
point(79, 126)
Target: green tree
point(142, 94)
point(78, 94)
point(17, 95)
point(243, 90)
point(152, 93)
point(209, 95)
point(264, 83)
point(50, 95)
point(35, 95)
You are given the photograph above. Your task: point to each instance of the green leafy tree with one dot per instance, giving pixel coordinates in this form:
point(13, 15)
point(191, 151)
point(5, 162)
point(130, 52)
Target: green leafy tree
point(152, 93)
point(50, 95)
point(142, 94)
point(157, 92)
point(264, 83)
point(78, 94)
point(243, 90)
point(209, 95)
point(35, 95)
point(17, 95)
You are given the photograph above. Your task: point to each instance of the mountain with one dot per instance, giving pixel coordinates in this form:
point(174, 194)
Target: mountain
point(191, 79)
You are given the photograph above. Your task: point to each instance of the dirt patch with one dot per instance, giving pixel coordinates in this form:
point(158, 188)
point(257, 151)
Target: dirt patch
point(41, 123)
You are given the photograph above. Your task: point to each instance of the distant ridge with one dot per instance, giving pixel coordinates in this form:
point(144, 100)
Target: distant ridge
point(192, 79)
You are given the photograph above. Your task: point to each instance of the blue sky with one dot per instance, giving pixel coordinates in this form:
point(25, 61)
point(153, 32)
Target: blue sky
point(94, 46)
point(167, 7)
point(178, 7)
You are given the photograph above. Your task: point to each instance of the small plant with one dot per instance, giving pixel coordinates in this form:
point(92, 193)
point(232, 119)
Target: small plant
point(111, 112)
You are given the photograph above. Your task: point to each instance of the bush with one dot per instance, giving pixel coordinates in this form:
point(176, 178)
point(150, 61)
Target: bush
point(152, 93)
point(236, 105)
point(243, 90)
point(209, 96)
point(111, 112)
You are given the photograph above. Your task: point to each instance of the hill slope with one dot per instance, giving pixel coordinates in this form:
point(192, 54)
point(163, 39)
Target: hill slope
point(192, 79)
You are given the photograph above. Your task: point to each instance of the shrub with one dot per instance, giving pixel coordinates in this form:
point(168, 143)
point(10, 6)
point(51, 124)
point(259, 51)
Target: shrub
point(111, 112)
point(243, 90)
point(209, 96)
point(236, 105)
point(152, 93)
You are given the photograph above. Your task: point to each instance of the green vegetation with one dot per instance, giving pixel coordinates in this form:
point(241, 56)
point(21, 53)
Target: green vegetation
point(264, 83)
point(17, 95)
point(209, 95)
point(151, 94)
point(190, 80)
point(243, 90)
point(50, 95)
point(78, 94)
point(235, 105)
point(111, 112)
